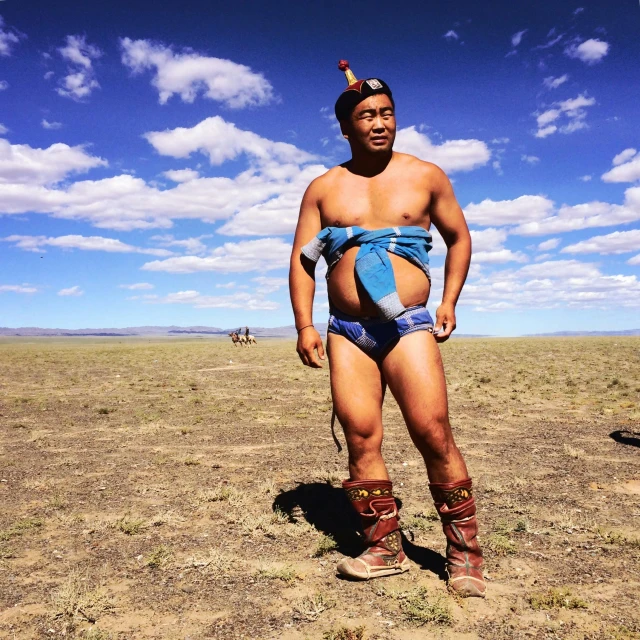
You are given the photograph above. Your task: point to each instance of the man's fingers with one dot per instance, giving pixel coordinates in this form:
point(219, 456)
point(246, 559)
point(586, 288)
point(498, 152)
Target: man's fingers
point(321, 350)
point(313, 361)
point(448, 327)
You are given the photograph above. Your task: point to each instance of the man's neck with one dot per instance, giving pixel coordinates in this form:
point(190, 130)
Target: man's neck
point(367, 164)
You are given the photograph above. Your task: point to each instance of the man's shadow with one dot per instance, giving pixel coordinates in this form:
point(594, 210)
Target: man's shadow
point(328, 509)
point(633, 439)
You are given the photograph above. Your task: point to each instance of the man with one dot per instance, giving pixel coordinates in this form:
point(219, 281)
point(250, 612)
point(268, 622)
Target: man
point(370, 218)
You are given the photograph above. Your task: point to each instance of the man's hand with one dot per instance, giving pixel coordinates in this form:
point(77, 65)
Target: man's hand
point(309, 341)
point(445, 322)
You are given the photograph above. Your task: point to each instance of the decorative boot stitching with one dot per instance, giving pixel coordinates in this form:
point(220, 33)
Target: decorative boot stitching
point(360, 493)
point(451, 497)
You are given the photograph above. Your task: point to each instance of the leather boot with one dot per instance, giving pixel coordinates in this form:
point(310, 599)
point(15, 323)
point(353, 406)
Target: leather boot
point(457, 508)
point(374, 503)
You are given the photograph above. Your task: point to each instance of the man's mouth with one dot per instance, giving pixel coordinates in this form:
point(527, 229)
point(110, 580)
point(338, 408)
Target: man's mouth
point(379, 139)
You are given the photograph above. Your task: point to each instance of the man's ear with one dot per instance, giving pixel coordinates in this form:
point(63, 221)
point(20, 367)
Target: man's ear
point(344, 129)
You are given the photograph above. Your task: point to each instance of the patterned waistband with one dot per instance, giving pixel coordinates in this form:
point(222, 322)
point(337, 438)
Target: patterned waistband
point(340, 315)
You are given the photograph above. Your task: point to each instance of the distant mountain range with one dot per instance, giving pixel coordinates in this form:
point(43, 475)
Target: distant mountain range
point(288, 331)
point(259, 332)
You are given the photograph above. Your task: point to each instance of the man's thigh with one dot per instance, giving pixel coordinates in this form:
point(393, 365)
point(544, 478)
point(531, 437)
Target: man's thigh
point(415, 375)
point(357, 388)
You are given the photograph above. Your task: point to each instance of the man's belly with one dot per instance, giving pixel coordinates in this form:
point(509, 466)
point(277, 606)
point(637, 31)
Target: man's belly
point(348, 295)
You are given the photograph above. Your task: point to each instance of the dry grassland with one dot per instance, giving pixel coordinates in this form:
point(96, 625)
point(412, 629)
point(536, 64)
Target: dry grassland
point(154, 489)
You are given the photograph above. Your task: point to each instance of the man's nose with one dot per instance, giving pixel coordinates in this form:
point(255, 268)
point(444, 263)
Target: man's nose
point(378, 124)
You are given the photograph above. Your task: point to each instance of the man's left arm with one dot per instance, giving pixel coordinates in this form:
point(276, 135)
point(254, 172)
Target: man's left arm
point(447, 217)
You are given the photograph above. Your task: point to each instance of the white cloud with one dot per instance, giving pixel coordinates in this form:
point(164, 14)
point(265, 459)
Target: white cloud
point(181, 175)
point(553, 83)
point(222, 141)
point(617, 242)
point(529, 159)
point(549, 244)
point(22, 164)
point(626, 169)
point(80, 81)
point(269, 285)
point(4, 85)
point(8, 38)
point(228, 285)
point(451, 35)
point(277, 215)
point(590, 51)
point(188, 74)
point(499, 256)
point(553, 284)
point(239, 300)
point(138, 286)
point(124, 202)
point(586, 178)
point(624, 156)
point(265, 254)
point(582, 216)
point(572, 112)
point(85, 243)
point(516, 38)
point(71, 291)
point(546, 131)
point(3, 129)
point(50, 125)
point(193, 246)
point(522, 209)
point(451, 155)
point(634, 261)
point(16, 288)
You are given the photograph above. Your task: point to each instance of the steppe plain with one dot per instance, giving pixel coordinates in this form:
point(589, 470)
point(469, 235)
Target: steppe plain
point(184, 488)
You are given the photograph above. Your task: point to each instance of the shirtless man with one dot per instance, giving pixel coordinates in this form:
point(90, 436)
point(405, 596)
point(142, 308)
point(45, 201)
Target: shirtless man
point(370, 218)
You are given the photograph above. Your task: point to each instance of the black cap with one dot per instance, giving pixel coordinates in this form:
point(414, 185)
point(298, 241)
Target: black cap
point(355, 93)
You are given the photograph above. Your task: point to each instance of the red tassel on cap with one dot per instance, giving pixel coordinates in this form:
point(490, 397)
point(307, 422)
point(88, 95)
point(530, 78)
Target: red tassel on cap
point(343, 65)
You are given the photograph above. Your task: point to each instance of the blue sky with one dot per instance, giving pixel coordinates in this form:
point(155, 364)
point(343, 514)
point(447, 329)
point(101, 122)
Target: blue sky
point(152, 160)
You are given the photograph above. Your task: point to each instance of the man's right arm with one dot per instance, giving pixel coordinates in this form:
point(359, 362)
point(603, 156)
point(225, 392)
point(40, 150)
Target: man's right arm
point(302, 282)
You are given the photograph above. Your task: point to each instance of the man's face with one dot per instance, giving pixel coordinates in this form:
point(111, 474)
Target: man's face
point(372, 125)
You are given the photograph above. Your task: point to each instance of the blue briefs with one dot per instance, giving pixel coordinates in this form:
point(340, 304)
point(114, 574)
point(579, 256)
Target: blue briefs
point(376, 337)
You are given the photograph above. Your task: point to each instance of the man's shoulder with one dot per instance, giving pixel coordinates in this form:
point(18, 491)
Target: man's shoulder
point(325, 180)
point(408, 161)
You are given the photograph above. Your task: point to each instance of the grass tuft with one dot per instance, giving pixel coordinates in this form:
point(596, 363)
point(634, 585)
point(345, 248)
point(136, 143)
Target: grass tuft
point(20, 527)
point(75, 599)
point(287, 574)
point(158, 557)
point(216, 563)
point(556, 599)
point(500, 544)
point(130, 526)
point(420, 610)
point(310, 608)
point(344, 633)
point(326, 544)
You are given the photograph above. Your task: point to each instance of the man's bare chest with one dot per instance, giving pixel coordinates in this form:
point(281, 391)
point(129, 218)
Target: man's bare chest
point(375, 206)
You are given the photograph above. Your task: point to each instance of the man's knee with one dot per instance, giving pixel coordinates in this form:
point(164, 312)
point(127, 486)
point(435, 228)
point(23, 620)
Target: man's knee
point(434, 440)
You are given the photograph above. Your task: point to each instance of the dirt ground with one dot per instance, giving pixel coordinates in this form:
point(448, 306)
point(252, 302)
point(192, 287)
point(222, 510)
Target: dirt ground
point(184, 488)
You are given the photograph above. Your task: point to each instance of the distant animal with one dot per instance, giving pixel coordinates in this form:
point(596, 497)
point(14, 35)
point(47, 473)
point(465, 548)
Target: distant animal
point(236, 339)
point(251, 340)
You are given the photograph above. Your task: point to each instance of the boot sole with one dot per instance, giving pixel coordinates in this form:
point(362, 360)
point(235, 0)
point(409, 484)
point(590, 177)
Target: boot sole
point(345, 569)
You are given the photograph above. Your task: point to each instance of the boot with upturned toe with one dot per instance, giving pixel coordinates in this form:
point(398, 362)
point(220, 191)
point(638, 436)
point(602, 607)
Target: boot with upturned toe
point(373, 501)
